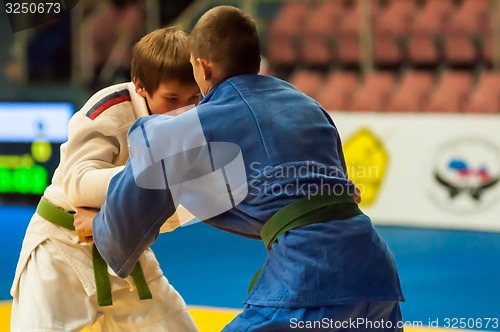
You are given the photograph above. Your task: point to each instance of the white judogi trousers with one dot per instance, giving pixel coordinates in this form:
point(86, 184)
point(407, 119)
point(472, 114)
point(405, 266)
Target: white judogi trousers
point(54, 289)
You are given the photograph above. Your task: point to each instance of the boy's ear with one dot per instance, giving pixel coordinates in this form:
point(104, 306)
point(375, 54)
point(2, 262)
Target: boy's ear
point(139, 87)
point(206, 67)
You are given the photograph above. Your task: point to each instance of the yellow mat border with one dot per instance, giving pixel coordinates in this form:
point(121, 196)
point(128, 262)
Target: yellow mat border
point(208, 319)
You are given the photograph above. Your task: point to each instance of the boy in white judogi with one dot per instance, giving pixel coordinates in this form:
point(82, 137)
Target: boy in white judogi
point(54, 287)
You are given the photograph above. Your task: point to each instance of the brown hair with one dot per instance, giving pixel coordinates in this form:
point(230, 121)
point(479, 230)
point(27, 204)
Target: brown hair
point(162, 55)
point(227, 36)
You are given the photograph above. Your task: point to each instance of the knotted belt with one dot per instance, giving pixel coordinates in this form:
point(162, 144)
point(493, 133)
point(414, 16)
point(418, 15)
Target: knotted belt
point(60, 217)
point(306, 211)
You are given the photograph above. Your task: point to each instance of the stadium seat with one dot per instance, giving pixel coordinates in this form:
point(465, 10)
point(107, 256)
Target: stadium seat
point(336, 93)
point(322, 26)
point(348, 39)
point(425, 32)
point(284, 34)
point(373, 93)
point(451, 92)
point(488, 38)
point(412, 92)
point(389, 29)
point(348, 46)
point(306, 81)
point(487, 48)
point(464, 29)
point(486, 96)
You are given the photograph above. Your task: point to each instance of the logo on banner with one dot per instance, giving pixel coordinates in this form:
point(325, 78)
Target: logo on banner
point(467, 175)
point(366, 161)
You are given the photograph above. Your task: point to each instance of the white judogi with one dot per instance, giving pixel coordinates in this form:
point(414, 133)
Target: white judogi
point(54, 287)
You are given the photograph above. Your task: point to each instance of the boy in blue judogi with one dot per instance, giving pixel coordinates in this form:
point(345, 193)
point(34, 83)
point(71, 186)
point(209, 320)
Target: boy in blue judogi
point(326, 268)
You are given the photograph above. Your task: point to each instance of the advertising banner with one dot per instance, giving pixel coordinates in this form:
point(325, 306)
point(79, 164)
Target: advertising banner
point(426, 170)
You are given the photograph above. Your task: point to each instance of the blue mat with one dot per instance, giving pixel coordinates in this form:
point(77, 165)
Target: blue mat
point(444, 274)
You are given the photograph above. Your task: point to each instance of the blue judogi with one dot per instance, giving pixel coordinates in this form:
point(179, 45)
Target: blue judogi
point(290, 148)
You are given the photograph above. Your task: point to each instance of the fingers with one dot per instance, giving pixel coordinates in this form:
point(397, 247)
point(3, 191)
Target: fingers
point(357, 193)
point(83, 224)
point(88, 239)
point(84, 230)
point(357, 196)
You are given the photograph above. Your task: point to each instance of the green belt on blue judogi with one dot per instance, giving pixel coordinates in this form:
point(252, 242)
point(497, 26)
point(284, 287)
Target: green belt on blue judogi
point(60, 217)
point(306, 211)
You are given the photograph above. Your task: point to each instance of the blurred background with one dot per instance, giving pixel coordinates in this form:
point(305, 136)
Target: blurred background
point(412, 85)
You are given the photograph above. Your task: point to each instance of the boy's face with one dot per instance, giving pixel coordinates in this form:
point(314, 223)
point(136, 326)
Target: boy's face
point(170, 96)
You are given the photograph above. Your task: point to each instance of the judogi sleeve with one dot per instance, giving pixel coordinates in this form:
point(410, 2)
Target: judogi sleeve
point(130, 220)
point(170, 164)
point(162, 151)
point(90, 152)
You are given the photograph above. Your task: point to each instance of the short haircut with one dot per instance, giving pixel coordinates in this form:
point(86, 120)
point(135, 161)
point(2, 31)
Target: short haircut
point(162, 55)
point(228, 37)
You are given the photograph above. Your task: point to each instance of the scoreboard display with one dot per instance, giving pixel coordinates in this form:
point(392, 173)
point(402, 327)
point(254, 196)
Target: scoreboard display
point(30, 137)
